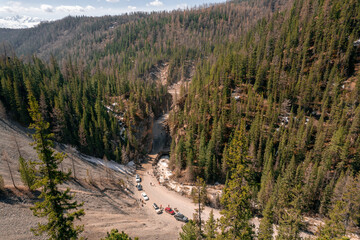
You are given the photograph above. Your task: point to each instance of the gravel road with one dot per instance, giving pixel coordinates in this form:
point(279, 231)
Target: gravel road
point(163, 197)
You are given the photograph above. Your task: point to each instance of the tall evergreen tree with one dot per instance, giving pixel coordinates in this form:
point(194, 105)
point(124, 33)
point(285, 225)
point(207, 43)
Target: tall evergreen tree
point(54, 204)
point(334, 227)
point(199, 196)
point(236, 194)
point(267, 183)
point(266, 225)
point(210, 227)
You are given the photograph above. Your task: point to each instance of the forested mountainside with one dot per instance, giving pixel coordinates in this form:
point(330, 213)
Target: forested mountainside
point(82, 108)
point(272, 110)
point(138, 41)
point(105, 62)
point(294, 79)
point(295, 83)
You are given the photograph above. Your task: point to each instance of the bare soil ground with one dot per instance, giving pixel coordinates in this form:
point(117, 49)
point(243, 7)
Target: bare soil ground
point(109, 196)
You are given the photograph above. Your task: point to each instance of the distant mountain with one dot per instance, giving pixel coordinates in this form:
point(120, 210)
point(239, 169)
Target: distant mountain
point(17, 22)
point(120, 50)
point(95, 39)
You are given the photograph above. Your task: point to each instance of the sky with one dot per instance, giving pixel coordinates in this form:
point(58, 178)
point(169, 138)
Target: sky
point(56, 9)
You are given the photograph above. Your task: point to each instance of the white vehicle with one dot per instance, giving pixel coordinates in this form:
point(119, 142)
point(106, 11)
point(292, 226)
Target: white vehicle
point(157, 209)
point(138, 179)
point(145, 197)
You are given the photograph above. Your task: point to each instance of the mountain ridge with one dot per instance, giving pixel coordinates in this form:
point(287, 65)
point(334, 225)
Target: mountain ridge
point(272, 109)
point(20, 22)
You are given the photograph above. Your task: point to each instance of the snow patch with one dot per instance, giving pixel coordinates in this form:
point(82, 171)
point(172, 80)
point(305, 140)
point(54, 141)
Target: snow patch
point(128, 169)
point(17, 22)
point(163, 168)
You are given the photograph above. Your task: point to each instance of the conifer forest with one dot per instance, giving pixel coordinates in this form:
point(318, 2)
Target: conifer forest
point(267, 107)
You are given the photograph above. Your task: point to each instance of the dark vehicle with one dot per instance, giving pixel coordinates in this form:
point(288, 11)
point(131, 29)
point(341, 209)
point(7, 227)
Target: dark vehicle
point(139, 187)
point(157, 209)
point(180, 217)
point(169, 211)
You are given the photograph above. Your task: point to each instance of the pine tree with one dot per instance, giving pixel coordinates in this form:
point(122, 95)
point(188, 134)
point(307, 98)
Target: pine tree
point(210, 227)
point(326, 198)
point(210, 159)
point(346, 207)
point(199, 197)
point(189, 231)
point(202, 152)
point(57, 206)
point(266, 225)
point(236, 194)
point(180, 154)
point(115, 235)
point(285, 187)
point(189, 146)
point(27, 172)
point(335, 226)
point(267, 183)
point(289, 224)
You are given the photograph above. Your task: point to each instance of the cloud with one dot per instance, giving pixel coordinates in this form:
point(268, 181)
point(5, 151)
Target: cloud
point(18, 8)
point(74, 9)
point(5, 9)
point(155, 3)
point(131, 8)
point(11, 7)
point(112, 1)
point(182, 6)
point(47, 8)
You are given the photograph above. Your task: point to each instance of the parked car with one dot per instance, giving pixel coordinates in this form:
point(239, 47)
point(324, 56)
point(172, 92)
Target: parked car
point(145, 197)
point(139, 187)
point(169, 210)
point(180, 217)
point(157, 209)
point(137, 178)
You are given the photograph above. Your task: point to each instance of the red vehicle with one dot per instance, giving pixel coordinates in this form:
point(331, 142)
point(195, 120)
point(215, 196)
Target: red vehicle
point(169, 210)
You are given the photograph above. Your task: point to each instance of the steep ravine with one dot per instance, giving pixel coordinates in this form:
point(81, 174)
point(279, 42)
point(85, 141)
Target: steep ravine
point(161, 138)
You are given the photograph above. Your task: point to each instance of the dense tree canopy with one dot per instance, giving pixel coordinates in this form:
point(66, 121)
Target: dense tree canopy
point(294, 79)
point(288, 69)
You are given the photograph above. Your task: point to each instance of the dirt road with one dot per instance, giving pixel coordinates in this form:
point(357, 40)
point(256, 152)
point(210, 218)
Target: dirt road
point(159, 194)
point(106, 204)
point(163, 197)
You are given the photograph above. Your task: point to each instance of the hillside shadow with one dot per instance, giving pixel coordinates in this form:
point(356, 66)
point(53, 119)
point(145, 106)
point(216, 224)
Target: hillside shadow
point(19, 196)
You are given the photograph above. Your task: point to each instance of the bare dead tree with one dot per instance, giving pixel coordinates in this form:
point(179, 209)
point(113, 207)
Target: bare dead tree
point(72, 162)
point(199, 197)
point(17, 146)
point(73, 166)
point(58, 122)
point(5, 53)
point(5, 157)
point(3, 114)
point(108, 174)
